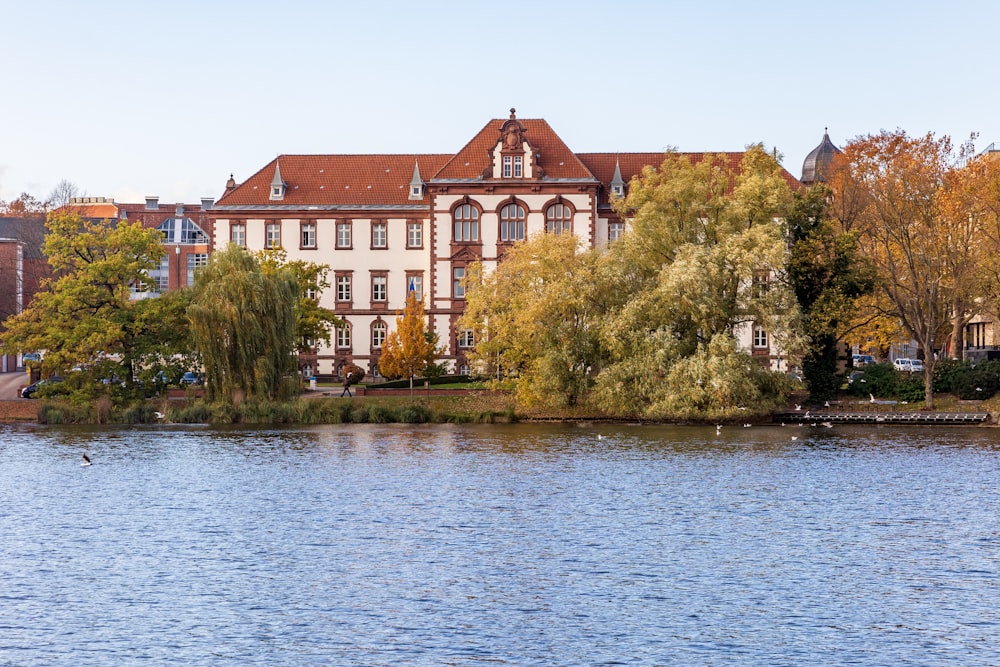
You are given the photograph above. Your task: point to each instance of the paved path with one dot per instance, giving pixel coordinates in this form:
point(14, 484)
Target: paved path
point(11, 383)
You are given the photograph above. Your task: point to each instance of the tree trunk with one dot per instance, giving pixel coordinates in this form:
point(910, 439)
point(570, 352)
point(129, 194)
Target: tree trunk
point(929, 381)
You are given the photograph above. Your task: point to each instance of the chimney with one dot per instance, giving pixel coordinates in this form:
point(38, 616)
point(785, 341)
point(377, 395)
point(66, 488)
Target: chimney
point(179, 211)
point(207, 203)
point(152, 203)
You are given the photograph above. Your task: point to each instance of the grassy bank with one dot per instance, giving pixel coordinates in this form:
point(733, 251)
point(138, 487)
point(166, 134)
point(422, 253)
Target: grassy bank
point(480, 407)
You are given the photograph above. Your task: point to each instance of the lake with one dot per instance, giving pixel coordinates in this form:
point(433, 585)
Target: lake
point(515, 544)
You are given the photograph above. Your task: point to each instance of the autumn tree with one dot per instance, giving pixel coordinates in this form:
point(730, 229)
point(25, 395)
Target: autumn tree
point(84, 313)
point(970, 207)
point(904, 231)
point(243, 326)
point(409, 349)
point(536, 320)
point(703, 257)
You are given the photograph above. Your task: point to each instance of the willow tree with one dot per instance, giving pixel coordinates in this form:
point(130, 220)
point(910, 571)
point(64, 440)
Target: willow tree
point(703, 257)
point(243, 326)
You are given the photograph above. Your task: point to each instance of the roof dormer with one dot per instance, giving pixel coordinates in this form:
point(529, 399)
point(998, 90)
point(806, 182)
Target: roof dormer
point(278, 186)
point(512, 156)
point(416, 183)
point(617, 184)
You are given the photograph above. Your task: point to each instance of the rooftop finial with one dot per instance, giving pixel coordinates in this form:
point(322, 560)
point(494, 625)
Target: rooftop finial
point(512, 110)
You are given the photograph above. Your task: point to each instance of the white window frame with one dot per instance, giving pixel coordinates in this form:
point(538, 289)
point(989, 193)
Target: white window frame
point(272, 235)
point(343, 288)
point(308, 234)
point(380, 288)
point(458, 282)
point(415, 235)
point(380, 234)
point(344, 235)
point(238, 234)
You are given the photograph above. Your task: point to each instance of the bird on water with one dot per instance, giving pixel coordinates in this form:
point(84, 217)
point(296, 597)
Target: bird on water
point(86, 460)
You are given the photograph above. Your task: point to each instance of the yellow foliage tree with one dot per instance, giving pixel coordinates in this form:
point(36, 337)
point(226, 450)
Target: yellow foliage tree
point(411, 348)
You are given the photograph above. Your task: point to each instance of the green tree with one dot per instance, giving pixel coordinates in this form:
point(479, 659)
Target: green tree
point(828, 274)
point(703, 257)
point(409, 349)
point(313, 323)
point(84, 315)
point(243, 326)
point(536, 320)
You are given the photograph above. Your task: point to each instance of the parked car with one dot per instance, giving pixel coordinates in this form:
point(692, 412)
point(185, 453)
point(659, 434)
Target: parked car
point(32, 356)
point(909, 365)
point(32, 389)
point(190, 378)
point(863, 359)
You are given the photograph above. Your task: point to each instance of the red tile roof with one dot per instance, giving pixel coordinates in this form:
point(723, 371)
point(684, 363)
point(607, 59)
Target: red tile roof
point(631, 164)
point(383, 180)
point(557, 160)
point(336, 180)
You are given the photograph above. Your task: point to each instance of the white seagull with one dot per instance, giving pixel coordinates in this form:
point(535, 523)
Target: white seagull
point(871, 398)
point(86, 460)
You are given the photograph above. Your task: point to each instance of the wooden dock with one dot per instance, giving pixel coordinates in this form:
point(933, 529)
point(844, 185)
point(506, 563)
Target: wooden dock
point(880, 417)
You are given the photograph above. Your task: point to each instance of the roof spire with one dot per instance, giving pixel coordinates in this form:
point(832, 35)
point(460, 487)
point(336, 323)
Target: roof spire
point(277, 184)
point(512, 113)
point(416, 183)
point(617, 184)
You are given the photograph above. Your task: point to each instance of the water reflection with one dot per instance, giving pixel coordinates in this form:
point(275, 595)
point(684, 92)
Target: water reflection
point(509, 544)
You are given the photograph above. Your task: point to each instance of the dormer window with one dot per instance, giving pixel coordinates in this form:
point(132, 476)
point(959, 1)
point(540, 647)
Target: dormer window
point(278, 185)
point(416, 183)
point(618, 189)
point(513, 166)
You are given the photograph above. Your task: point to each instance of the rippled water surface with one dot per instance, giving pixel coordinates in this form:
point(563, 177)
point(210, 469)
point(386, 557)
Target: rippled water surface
point(501, 545)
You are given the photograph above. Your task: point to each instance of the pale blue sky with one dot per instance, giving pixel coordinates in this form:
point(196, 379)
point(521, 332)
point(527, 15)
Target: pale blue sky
point(129, 98)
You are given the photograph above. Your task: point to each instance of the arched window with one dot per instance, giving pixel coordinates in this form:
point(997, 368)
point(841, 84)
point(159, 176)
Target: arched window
point(512, 219)
point(344, 336)
point(558, 219)
point(378, 334)
point(466, 218)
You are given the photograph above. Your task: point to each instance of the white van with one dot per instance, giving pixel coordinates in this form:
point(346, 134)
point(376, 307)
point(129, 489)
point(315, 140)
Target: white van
point(909, 365)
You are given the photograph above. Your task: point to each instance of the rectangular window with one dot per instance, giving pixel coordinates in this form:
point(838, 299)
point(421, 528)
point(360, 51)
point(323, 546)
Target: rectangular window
point(344, 337)
point(379, 235)
point(759, 337)
point(615, 230)
point(238, 234)
point(343, 288)
point(311, 293)
point(194, 262)
point(466, 338)
point(379, 287)
point(517, 166)
point(308, 234)
point(759, 285)
point(506, 166)
point(273, 239)
point(343, 234)
point(161, 276)
point(458, 282)
point(415, 283)
point(415, 235)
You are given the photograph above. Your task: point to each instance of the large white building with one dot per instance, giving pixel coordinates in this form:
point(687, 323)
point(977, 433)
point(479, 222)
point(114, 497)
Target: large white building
point(384, 223)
